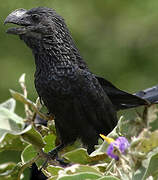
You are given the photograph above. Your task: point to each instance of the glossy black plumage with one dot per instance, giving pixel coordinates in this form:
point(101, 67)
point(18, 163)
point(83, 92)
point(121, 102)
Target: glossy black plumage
point(84, 105)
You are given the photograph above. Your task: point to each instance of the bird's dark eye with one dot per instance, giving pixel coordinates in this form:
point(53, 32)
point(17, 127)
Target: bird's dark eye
point(35, 17)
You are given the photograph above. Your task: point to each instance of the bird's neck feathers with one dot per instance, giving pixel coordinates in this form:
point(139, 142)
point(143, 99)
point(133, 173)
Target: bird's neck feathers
point(54, 49)
point(54, 46)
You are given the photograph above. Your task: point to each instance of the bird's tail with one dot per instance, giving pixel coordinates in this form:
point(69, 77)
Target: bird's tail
point(150, 94)
point(123, 100)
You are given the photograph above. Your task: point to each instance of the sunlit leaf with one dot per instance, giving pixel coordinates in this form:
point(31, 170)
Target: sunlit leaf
point(28, 153)
point(53, 171)
point(80, 176)
point(33, 137)
point(6, 170)
point(79, 155)
point(79, 171)
point(20, 97)
point(149, 140)
point(24, 100)
point(50, 142)
point(22, 78)
point(12, 142)
point(6, 167)
point(10, 104)
point(9, 121)
point(12, 172)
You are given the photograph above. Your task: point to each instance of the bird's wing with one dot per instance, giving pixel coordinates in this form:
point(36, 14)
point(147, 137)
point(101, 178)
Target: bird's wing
point(121, 99)
point(97, 105)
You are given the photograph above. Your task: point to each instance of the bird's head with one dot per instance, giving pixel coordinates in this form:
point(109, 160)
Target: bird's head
point(46, 33)
point(36, 24)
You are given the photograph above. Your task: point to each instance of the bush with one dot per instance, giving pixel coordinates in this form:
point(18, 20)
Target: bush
point(139, 161)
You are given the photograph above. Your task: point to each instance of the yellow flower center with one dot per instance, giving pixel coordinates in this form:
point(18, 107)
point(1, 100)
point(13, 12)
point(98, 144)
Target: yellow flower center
point(107, 139)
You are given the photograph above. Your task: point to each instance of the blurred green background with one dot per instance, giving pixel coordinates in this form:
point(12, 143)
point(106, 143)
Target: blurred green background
point(117, 38)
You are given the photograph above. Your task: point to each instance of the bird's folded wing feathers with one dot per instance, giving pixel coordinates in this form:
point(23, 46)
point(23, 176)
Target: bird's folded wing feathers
point(96, 105)
point(121, 99)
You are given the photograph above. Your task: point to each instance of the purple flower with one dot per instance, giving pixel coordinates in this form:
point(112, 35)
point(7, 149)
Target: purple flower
point(121, 143)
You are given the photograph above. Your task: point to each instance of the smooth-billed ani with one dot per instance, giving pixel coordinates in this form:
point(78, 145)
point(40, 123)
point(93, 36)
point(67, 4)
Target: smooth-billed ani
point(84, 104)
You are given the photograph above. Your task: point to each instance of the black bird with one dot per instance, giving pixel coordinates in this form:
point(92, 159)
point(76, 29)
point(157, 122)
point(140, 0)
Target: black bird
point(84, 104)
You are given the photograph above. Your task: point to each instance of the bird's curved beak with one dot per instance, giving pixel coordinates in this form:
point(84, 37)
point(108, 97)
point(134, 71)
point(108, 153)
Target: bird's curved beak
point(18, 17)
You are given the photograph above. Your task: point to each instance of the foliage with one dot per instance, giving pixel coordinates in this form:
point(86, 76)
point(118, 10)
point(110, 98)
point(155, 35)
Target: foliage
point(139, 162)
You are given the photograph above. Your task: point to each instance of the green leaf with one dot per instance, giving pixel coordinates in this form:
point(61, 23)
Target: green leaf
point(53, 170)
point(10, 126)
point(9, 122)
point(50, 142)
point(24, 100)
point(139, 173)
point(12, 143)
point(6, 170)
point(149, 140)
point(77, 169)
point(108, 178)
point(74, 171)
point(28, 154)
point(10, 104)
point(6, 167)
point(32, 136)
point(80, 176)
point(152, 169)
point(101, 150)
point(11, 171)
point(81, 168)
point(78, 156)
point(11, 140)
point(81, 156)
point(130, 119)
point(20, 97)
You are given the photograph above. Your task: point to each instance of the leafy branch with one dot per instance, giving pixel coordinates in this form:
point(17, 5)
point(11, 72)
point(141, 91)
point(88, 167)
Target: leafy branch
point(140, 161)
